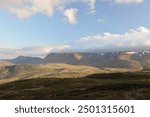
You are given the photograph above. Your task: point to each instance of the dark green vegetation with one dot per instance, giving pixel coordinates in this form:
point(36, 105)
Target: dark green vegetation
point(99, 86)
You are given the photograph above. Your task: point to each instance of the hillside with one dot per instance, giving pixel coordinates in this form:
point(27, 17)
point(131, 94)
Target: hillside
point(5, 63)
point(19, 72)
point(144, 58)
point(109, 59)
point(97, 86)
point(47, 70)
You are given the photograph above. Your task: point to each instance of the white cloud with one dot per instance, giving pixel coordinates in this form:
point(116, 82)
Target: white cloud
point(32, 7)
point(26, 8)
point(39, 51)
point(129, 1)
point(70, 15)
point(132, 39)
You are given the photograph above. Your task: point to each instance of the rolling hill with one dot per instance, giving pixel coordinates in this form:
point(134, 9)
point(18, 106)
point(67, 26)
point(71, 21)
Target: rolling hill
point(47, 70)
point(30, 71)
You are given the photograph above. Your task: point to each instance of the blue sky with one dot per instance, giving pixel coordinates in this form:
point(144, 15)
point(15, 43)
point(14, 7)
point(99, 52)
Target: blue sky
point(47, 25)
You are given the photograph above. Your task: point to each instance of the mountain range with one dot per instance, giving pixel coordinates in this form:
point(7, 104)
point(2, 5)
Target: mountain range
point(124, 59)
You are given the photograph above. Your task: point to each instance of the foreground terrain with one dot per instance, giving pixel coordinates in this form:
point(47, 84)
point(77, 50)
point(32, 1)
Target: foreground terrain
point(135, 85)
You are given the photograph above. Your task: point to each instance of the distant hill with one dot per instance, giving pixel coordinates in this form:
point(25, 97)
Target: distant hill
point(130, 59)
point(109, 59)
point(68, 58)
point(26, 60)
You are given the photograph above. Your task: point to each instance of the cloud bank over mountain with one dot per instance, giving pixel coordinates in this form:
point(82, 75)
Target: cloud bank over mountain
point(35, 51)
point(134, 39)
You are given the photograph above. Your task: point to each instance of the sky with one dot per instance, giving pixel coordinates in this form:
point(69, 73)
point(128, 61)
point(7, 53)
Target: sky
point(38, 27)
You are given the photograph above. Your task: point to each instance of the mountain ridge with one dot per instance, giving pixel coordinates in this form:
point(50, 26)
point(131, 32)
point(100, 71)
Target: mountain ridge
point(123, 59)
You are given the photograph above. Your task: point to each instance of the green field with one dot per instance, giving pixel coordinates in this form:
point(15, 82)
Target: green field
point(128, 86)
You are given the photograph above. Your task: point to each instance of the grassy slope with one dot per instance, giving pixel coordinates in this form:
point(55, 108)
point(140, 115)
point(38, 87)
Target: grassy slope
point(49, 70)
point(99, 86)
point(5, 63)
point(16, 72)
